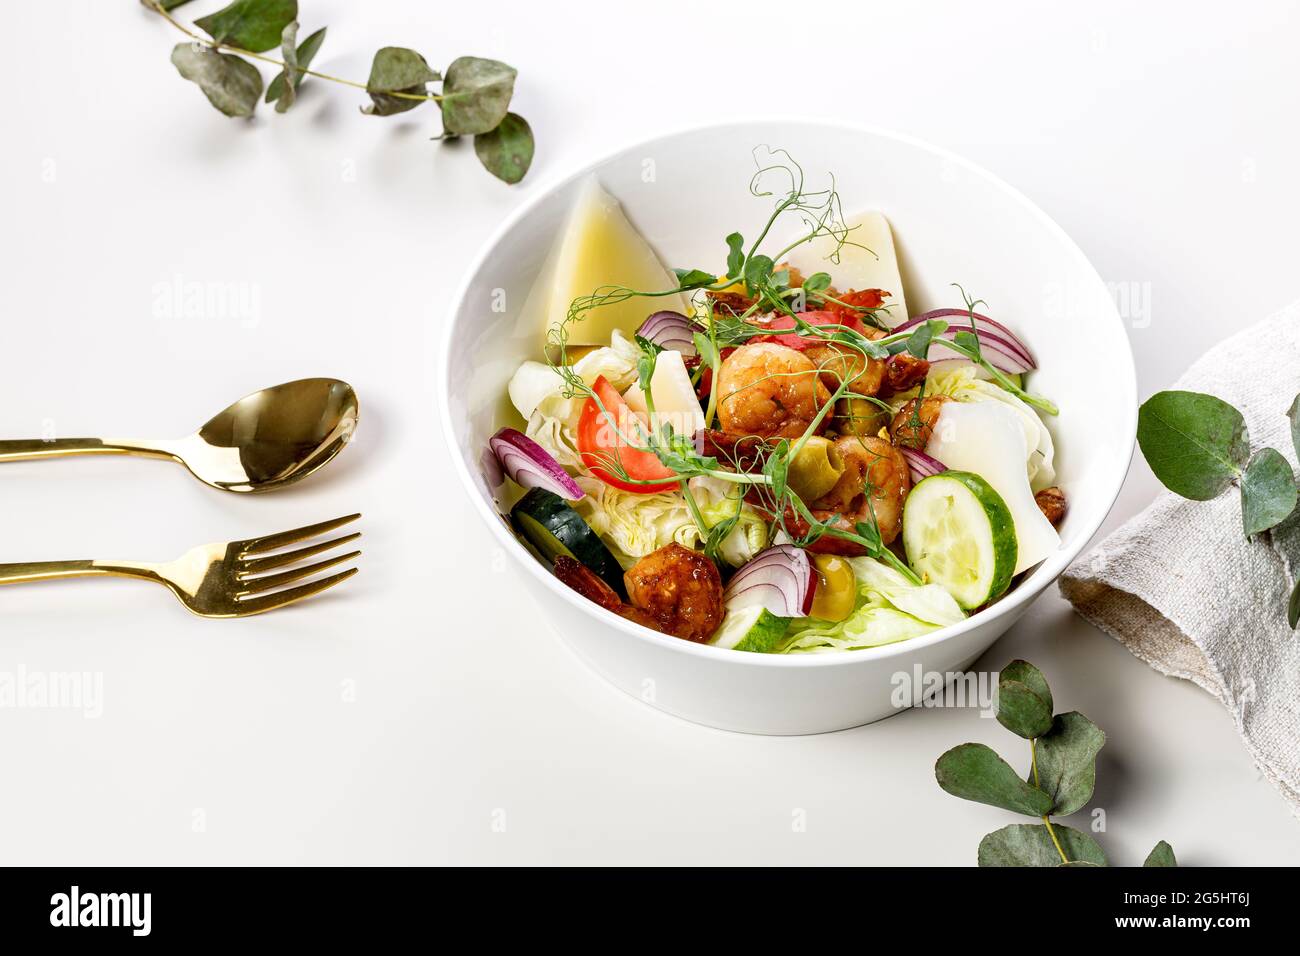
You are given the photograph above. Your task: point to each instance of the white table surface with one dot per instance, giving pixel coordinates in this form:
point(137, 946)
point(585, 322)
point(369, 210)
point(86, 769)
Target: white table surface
point(416, 711)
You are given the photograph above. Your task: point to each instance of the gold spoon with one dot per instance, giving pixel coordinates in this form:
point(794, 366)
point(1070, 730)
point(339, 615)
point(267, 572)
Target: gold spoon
point(264, 441)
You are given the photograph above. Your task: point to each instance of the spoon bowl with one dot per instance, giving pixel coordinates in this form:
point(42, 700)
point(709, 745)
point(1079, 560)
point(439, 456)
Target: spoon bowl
point(274, 437)
point(264, 441)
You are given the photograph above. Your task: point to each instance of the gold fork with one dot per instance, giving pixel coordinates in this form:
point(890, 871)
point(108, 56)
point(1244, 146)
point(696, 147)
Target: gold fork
point(220, 580)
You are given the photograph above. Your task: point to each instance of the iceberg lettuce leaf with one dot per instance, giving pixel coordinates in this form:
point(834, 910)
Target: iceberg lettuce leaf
point(634, 525)
point(889, 609)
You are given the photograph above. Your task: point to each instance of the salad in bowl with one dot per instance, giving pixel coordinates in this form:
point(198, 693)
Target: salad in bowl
point(767, 453)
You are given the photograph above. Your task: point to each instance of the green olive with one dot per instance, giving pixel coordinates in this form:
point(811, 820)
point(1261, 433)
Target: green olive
point(860, 416)
point(837, 588)
point(814, 471)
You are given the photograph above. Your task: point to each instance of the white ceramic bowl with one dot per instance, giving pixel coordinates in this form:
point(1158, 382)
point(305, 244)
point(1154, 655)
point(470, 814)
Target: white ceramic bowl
point(953, 222)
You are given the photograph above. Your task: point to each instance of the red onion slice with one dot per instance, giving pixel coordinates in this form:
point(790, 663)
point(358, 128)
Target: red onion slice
point(960, 321)
point(921, 465)
point(995, 350)
point(531, 466)
point(780, 579)
point(670, 330)
point(491, 466)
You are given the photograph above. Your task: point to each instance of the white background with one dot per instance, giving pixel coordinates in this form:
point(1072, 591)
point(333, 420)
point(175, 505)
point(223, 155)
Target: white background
point(1162, 136)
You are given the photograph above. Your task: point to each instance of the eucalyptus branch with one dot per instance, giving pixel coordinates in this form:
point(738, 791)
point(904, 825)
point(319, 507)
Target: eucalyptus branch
point(474, 100)
point(1068, 745)
point(157, 7)
point(1199, 446)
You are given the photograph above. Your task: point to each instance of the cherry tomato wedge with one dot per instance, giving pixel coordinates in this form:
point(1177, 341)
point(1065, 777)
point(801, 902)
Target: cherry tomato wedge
point(601, 445)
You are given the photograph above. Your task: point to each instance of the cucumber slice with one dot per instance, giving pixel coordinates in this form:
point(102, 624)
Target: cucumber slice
point(958, 532)
point(752, 628)
point(546, 522)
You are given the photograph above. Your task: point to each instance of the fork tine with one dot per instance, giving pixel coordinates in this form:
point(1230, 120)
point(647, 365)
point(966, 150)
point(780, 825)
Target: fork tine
point(258, 565)
point(271, 581)
point(269, 602)
point(272, 542)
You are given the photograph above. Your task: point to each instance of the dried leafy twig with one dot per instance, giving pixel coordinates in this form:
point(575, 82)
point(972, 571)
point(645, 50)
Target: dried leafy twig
point(474, 99)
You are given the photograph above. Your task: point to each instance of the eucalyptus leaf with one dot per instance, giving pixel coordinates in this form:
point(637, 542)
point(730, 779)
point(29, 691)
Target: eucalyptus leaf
point(397, 70)
point(1029, 675)
point(476, 95)
point(507, 151)
point(1293, 607)
point(1029, 844)
point(1066, 757)
point(289, 52)
point(975, 772)
point(253, 25)
point(1162, 855)
point(165, 4)
point(1022, 711)
point(301, 58)
point(231, 85)
point(1293, 413)
point(1195, 443)
point(1268, 491)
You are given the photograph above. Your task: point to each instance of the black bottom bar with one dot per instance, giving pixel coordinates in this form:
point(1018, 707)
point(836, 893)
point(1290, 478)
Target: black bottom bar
point(334, 906)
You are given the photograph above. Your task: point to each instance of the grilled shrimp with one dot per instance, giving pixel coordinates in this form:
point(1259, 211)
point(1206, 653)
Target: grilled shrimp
point(839, 362)
point(768, 390)
point(914, 423)
point(875, 481)
point(680, 589)
point(873, 486)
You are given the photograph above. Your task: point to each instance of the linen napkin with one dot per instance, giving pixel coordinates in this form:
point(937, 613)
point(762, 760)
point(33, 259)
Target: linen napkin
point(1181, 587)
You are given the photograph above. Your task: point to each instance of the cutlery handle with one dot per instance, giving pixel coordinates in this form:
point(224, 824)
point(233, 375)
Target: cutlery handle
point(26, 449)
point(53, 570)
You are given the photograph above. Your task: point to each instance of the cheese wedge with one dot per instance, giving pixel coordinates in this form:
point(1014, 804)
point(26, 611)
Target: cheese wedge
point(873, 267)
point(596, 247)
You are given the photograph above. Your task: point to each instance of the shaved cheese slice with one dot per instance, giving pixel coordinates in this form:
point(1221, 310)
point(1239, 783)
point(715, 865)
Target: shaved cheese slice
point(986, 438)
point(875, 267)
point(673, 393)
